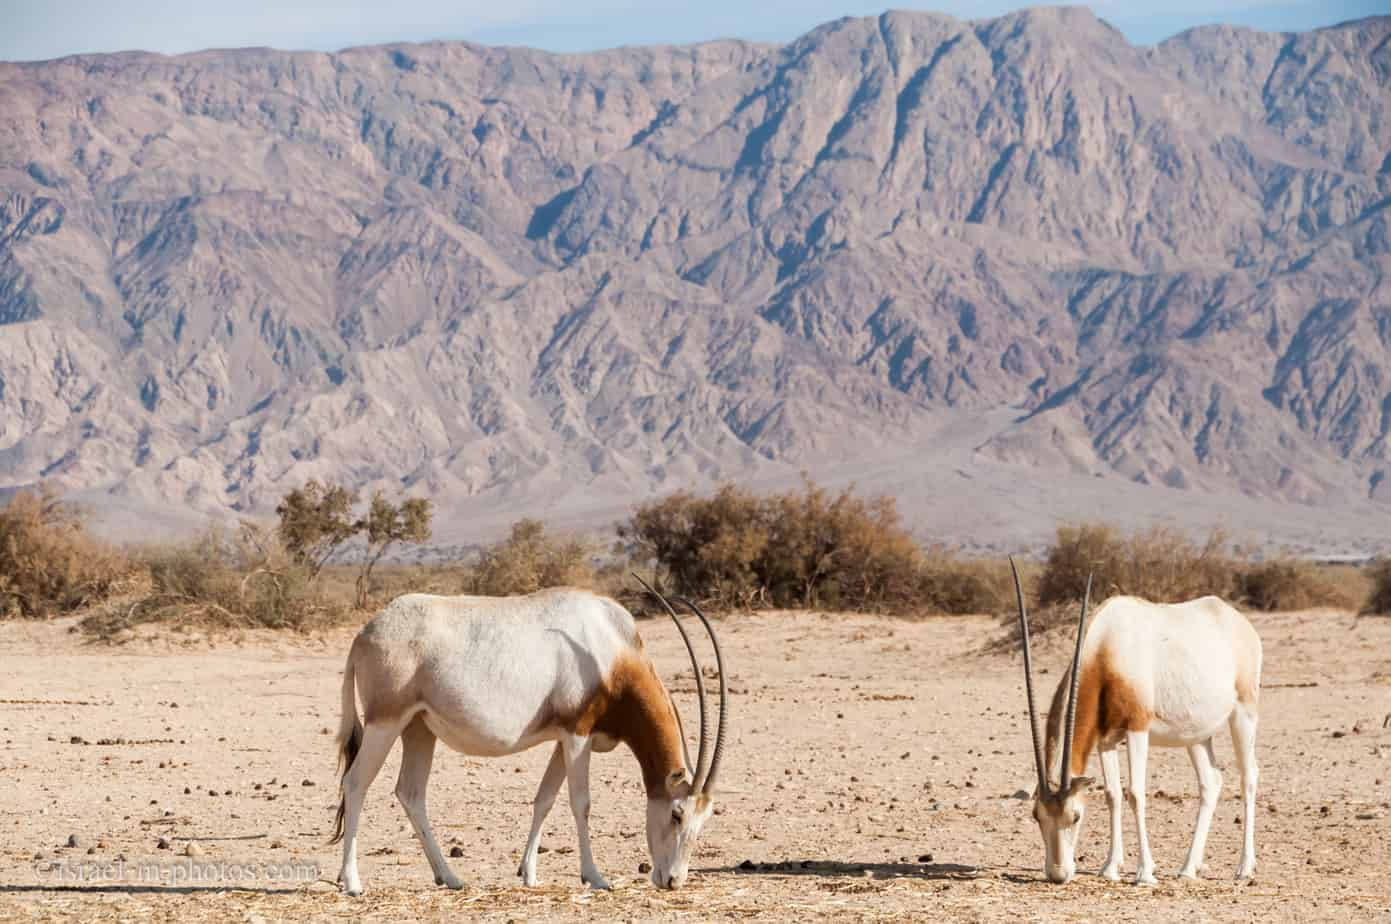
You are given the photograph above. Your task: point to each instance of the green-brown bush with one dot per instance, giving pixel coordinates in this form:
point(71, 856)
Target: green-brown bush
point(528, 560)
point(1379, 600)
point(48, 563)
point(805, 548)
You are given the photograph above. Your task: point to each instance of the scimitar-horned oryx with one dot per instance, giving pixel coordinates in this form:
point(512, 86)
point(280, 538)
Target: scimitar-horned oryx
point(1167, 674)
point(492, 676)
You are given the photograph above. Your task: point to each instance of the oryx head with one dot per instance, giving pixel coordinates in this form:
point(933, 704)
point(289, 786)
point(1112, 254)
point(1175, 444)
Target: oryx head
point(674, 818)
point(1058, 811)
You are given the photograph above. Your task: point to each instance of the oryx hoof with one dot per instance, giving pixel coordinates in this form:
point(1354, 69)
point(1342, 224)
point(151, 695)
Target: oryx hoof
point(595, 881)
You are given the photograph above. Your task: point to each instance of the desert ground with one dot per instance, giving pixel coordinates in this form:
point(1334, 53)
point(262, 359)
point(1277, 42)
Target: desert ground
point(871, 775)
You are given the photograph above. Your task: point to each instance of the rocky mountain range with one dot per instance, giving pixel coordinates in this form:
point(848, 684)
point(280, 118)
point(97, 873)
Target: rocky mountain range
point(1013, 270)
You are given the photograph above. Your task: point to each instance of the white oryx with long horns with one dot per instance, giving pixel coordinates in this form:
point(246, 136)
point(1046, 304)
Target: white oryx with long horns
point(1167, 674)
point(492, 676)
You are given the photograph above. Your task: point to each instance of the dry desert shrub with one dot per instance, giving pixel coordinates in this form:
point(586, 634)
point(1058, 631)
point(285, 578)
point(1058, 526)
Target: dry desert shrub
point(1159, 564)
point(49, 565)
point(1287, 584)
point(530, 559)
point(1163, 565)
point(241, 580)
point(1379, 600)
point(802, 549)
point(951, 584)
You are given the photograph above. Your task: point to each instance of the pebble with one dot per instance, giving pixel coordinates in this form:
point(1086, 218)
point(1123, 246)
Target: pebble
point(162, 843)
point(193, 850)
point(456, 852)
point(746, 865)
point(925, 858)
point(644, 867)
point(73, 841)
point(308, 783)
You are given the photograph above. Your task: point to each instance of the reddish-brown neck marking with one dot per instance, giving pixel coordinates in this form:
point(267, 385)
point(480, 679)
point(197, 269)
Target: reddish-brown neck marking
point(1107, 705)
point(633, 707)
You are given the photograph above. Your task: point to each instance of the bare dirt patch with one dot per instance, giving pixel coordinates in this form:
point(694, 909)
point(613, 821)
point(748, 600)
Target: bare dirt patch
point(870, 776)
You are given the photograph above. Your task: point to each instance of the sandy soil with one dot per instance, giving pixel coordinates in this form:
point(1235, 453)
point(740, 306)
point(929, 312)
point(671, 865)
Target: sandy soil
point(869, 776)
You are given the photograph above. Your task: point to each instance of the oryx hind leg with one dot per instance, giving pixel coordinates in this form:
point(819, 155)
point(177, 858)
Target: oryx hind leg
point(377, 739)
point(417, 756)
point(1209, 788)
point(1243, 726)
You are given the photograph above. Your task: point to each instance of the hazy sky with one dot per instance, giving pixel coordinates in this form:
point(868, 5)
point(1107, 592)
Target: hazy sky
point(37, 29)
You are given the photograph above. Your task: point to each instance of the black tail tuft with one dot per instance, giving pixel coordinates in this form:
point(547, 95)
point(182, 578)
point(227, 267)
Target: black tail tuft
point(347, 756)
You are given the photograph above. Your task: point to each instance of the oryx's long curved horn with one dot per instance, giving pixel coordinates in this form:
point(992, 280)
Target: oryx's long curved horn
point(706, 782)
point(1029, 680)
point(699, 683)
point(1071, 723)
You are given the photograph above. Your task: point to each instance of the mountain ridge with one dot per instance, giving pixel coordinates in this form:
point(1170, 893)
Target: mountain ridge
point(524, 282)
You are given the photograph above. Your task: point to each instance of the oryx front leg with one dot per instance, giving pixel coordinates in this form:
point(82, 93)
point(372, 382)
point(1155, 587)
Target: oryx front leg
point(417, 755)
point(1137, 747)
point(1111, 776)
point(376, 744)
point(541, 807)
point(1209, 788)
point(577, 751)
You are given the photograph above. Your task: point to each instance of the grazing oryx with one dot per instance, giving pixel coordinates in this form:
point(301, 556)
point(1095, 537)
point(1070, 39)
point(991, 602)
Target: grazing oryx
point(496, 675)
point(1166, 673)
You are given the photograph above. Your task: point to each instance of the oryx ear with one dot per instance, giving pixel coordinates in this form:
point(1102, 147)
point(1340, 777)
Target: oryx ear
point(1079, 783)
